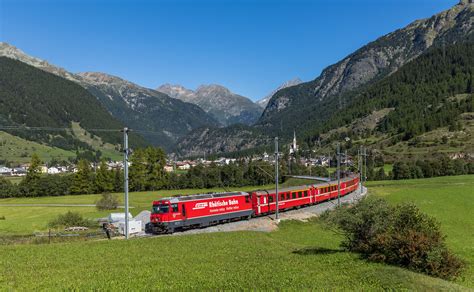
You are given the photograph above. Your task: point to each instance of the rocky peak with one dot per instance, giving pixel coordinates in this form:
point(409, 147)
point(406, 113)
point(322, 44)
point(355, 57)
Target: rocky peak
point(98, 78)
point(176, 91)
point(217, 100)
point(466, 2)
point(264, 101)
point(213, 90)
point(12, 52)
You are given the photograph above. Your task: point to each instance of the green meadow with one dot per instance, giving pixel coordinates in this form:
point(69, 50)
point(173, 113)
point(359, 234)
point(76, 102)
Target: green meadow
point(297, 256)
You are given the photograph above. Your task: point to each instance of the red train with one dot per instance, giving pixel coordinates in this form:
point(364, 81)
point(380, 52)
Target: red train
point(194, 211)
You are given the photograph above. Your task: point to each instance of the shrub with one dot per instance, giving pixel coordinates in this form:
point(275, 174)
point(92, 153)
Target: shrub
point(70, 219)
point(107, 202)
point(399, 235)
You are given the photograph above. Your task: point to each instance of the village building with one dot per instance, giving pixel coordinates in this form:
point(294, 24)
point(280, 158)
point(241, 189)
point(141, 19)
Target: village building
point(5, 170)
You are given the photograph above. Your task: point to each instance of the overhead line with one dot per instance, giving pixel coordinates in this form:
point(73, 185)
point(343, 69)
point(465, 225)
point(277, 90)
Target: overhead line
point(27, 128)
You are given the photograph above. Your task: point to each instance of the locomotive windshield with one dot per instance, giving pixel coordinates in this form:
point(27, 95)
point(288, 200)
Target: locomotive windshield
point(160, 209)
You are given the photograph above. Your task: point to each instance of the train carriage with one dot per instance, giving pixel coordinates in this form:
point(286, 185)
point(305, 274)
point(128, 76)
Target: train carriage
point(265, 201)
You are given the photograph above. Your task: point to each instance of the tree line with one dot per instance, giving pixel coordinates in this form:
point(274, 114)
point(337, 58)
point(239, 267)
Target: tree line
point(147, 174)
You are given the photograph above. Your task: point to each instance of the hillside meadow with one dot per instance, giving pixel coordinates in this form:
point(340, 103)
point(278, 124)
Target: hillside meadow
point(296, 256)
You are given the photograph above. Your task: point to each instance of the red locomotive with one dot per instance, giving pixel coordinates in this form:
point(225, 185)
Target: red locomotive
point(178, 213)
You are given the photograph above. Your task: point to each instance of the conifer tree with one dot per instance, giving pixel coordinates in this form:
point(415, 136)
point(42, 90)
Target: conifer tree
point(83, 180)
point(104, 180)
point(34, 171)
point(118, 180)
point(138, 170)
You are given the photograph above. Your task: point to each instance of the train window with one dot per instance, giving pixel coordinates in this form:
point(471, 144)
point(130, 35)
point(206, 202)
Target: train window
point(300, 194)
point(174, 207)
point(247, 199)
point(270, 199)
point(305, 193)
point(282, 197)
point(293, 195)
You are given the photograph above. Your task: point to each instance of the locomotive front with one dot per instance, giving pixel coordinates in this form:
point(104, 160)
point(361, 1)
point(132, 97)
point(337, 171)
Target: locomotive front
point(160, 217)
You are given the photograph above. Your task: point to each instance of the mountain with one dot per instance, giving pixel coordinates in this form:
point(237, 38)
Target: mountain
point(210, 140)
point(264, 101)
point(160, 118)
point(370, 63)
point(339, 102)
point(9, 51)
point(410, 112)
point(428, 93)
point(226, 107)
point(30, 97)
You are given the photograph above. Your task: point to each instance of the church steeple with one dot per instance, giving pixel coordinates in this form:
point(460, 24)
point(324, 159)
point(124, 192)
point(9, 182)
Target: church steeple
point(294, 140)
point(293, 146)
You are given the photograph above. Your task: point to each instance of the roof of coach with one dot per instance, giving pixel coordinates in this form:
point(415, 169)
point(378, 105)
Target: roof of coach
point(303, 187)
point(185, 198)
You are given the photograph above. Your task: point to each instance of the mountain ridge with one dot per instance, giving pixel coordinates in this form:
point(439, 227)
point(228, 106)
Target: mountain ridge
point(139, 107)
point(371, 62)
point(292, 82)
point(309, 106)
point(31, 97)
point(225, 106)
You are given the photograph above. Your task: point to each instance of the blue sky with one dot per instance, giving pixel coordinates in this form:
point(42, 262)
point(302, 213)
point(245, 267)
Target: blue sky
point(248, 46)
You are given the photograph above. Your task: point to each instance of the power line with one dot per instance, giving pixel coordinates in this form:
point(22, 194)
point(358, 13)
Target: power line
point(36, 128)
point(22, 128)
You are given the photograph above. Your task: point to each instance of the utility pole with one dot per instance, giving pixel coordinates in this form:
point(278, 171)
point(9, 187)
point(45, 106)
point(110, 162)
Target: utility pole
point(345, 162)
point(338, 174)
point(276, 178)
point(125, 173)
point(365, 163)
point(359, 167)
point(329, 164)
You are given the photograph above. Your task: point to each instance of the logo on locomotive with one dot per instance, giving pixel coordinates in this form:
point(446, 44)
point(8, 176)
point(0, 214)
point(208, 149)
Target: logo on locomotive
point(199, 206)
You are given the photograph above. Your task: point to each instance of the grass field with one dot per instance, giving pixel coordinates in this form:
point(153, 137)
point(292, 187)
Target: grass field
point(297, 256)
point(26, 220)
point(16, 149)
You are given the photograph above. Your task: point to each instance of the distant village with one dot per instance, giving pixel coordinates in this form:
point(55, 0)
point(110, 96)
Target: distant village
point(179, 165)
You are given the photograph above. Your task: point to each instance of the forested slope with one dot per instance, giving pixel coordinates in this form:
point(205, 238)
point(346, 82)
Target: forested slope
point(34, 98)
point(419, 94)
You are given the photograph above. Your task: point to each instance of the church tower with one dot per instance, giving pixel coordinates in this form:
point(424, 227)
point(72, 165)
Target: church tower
point(293, 146)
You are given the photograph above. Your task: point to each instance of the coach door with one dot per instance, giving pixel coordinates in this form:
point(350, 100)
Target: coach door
point(264, 203)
